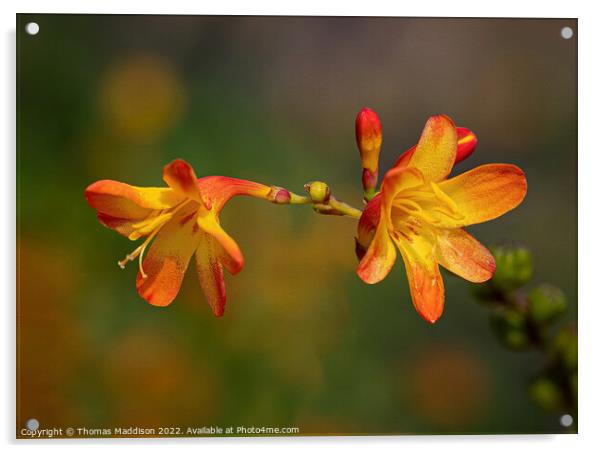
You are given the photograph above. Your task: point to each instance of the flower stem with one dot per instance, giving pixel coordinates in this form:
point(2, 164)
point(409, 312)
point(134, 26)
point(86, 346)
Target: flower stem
point(325, 203)
point(318, 197)
point(344, 208)
point(299, 199)
point(528, 320)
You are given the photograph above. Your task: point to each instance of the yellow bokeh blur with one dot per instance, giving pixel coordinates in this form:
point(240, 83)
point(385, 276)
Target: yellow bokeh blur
point(141, 97)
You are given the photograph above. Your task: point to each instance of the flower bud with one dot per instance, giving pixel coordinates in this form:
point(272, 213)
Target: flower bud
point(564, 347)
point(279, 195)
point(369, 180)
point(368, 134)
point(510, 327)
point(467, 142)
point(514, 267)
point(546, 303)
point(546, 393)
point(318, 191)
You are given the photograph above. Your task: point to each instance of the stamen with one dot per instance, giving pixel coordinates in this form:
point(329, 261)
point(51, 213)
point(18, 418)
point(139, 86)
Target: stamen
point(418, 208)
point(453, 215)
point(129, 257)
point(415, 210)
point(149, 226)
point(407, 205)
point(444, 198)
point(418, 195)
point(138, 253)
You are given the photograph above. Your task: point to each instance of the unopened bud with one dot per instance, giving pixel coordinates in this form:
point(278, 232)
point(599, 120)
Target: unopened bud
point(368, 134)
point(318, 191)
point(546, 303)
point(565, 347)
point(514, 267)
point(467, 142)
point(279, 195)
point(546, 393)
point(511, 328)
point(369, 181)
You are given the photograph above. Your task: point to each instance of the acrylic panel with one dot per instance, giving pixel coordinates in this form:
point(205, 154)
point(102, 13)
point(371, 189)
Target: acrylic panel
point(355, 226)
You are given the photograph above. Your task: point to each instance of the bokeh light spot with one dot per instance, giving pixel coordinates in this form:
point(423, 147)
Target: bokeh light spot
point(449, 387)
point(142, 98)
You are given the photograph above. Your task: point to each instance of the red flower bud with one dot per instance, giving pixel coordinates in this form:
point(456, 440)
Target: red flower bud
point(279, 195)
point(368, 134)
point(467, 142)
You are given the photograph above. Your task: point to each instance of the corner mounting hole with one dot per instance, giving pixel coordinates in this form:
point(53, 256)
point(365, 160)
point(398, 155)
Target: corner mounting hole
point(566, 420)
point(32, 28)
point(32, 424)
point(566, 32)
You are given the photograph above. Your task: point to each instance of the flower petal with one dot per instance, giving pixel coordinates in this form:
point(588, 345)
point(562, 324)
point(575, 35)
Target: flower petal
point(219, 189)
point(117, 199)
point(167, 260)
point(379, 258)
point(366, 226)
point(229, 252)
point(396, 180)
point(122, 226)
point(404, 158)
point(211, 274)
point(463, 255)
point(424, 278)
point(180, 176)
point(435, 152)
point(467, 142)
point(486, 192)
point(426, 287)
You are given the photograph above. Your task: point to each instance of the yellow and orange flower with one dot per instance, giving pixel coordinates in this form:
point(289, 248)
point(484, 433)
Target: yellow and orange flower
point(179, 220)
point(423, 213)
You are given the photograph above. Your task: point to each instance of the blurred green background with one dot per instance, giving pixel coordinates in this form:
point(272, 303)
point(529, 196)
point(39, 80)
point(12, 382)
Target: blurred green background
point(303, 341)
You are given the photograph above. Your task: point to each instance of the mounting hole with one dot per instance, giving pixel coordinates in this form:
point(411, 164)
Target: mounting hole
point(32, 28)
point(566, 420)
point(32, 424)
point(566, 32)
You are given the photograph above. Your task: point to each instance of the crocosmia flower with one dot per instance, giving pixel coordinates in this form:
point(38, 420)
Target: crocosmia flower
point(177, 222)
point(423, 213)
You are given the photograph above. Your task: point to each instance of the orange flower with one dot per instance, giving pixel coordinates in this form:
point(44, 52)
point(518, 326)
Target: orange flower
point(183, 219)
point(423, 213)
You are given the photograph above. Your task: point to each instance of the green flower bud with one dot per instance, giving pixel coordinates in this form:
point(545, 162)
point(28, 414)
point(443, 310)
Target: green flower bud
point(546, 303)
point(318, 191)
point(546, 393)
point(510, 327)
point(574, 384)
point(565, 346)
point(514, 267)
